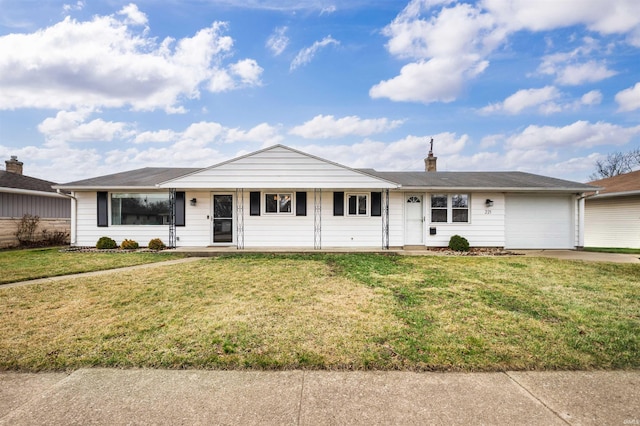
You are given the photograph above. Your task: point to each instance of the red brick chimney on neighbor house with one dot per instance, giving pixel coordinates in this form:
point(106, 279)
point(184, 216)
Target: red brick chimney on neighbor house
point(13, 165)
point(430, 161)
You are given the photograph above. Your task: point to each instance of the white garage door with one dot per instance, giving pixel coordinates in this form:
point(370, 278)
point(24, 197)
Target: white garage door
point(539, 222)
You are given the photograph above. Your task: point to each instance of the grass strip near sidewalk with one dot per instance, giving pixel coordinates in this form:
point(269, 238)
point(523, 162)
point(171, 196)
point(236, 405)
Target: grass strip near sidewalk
point(612, 250)
point(22, 265)
point(360, 311)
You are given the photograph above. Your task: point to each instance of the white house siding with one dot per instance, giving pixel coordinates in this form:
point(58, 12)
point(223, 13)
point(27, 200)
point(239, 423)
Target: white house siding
point(485, 227)
point(612, 222)
point(278, 167)
point(89, 233)
point(540, 221)
point(197, 229)
point(396, 219)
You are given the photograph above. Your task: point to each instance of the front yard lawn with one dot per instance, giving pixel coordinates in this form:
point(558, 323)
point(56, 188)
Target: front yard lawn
point(22, 265)
point(360, 311)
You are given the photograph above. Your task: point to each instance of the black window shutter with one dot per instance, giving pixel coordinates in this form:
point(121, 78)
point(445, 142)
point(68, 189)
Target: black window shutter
point(301, 203)
point(180, 209)
point(376, 204)
point(103, 209)
point(338, 203)
point(254, 203)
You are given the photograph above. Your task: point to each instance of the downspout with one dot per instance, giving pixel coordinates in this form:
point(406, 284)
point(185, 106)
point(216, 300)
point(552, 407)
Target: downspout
point(74, 216)
point(581, 198)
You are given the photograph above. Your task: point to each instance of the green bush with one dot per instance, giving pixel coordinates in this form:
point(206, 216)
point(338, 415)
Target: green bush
point(129, 245)
point(106, 243)
point(458, 243)
point(157, 244)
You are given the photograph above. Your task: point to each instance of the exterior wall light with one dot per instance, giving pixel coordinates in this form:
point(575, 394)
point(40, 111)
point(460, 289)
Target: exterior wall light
point(193, 201)
point(488, 203)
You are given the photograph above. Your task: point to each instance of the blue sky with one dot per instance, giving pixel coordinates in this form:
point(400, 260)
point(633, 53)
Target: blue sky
point(96, 87)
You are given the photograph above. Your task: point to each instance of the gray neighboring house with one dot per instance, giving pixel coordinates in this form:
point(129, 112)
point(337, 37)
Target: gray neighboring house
point(21, 195)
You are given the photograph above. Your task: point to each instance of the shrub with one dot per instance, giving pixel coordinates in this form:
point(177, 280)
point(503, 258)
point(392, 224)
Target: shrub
point(129, 245)
point(26, 229)
point(157, 244)
point(54, 238)
point(458, 243)
point(106, 243)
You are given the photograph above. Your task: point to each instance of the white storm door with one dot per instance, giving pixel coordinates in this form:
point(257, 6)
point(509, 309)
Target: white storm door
point(222, 218)
point(414, 219)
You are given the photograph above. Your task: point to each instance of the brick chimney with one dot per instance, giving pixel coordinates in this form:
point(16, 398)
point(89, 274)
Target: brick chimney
point(430, 161)
point(13, 165)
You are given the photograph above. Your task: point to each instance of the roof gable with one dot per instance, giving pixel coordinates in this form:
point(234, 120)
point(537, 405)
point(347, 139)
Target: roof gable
point(278, 167)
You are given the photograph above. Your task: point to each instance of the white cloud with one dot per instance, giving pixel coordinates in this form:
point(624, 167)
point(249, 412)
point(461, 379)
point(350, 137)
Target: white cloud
point(579, 134)
point(448, 43)
point(133, 15)
point(328, 10)
point(70, 126)
point(107, 63)
point(264, 133)
point(593, 97)
point(161, 136)
point(79, 5)
point(278, 41)
point(327, 126)
point(603, 16)
point(629, 99)
point(448, 48)
point(404, 154)
point(248, 71)
point(588, 72)
point(307, 54)
point(526, 98)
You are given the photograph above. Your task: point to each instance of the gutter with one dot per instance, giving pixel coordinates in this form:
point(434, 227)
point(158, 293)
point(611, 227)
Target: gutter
point(599, 196)
point(496, 189)
point(32, 192)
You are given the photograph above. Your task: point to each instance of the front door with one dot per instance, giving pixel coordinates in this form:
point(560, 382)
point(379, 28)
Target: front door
point(414, 219)
point(222, 218)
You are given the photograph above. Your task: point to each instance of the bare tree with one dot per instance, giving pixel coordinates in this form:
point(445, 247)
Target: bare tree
point(616, 164)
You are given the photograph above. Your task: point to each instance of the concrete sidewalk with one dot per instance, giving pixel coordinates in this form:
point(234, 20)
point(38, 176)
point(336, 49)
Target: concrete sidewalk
point(197, 397)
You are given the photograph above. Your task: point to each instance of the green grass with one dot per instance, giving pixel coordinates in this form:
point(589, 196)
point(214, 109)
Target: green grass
point(360, 311)
point(613, 250)
point(21, 265)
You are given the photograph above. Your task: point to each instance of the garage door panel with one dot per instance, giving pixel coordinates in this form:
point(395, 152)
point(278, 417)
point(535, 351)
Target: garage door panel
point(539, 222)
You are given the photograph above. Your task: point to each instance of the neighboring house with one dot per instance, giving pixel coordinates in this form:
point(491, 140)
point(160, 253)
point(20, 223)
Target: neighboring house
point(281, 197)
point(612, 215)
point(21, 195)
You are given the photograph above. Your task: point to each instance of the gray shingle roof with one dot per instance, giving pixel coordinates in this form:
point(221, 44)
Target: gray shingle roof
point(479, 180)
point(146, 177)
point(149, 177)
point(17, 181)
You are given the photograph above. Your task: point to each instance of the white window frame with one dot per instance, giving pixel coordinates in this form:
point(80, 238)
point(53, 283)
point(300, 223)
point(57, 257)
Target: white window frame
point(367, 196)
point(279, 194)
point(450, 208)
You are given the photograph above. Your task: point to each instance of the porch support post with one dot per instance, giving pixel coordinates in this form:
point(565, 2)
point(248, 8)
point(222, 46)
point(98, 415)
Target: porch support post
point(317, 219)
point(240, 218)
point(385, 219)
point(172, 218)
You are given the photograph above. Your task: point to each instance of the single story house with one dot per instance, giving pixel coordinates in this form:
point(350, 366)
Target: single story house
point(21, 195)
point(282, 197)
point(612, 215)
